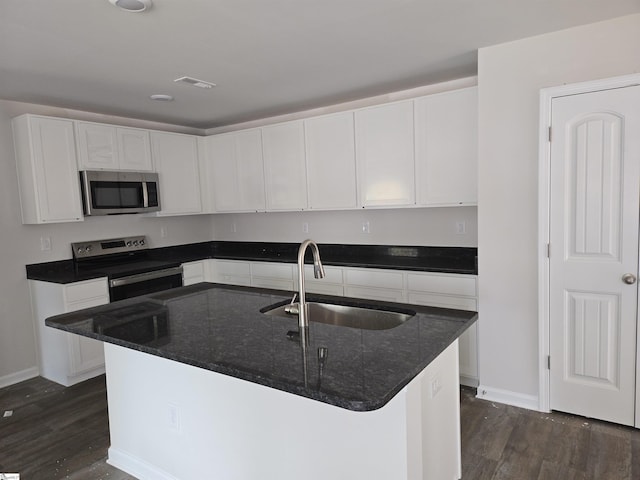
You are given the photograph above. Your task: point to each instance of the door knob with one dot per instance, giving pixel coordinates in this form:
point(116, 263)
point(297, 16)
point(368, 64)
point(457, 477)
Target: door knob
point(629, 278)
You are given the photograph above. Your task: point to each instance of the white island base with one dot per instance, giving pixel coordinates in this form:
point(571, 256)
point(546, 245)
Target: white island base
point(173, 421)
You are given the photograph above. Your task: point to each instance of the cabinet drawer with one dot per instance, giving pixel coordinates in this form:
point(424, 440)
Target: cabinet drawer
point(243, 280)
point(272, 270)
point(275, 283)
point(447, 284)
point(81, 291)
point(226, 267)
point(444, 301)
point(331, 275)
point(374, 278)
point(382, 294)
point(324, 288)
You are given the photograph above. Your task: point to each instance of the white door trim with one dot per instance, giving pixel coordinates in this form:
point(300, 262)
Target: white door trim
point(544, 169)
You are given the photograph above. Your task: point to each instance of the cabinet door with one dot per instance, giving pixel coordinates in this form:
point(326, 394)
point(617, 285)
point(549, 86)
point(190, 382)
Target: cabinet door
point(47, 170)
point(237, 173)
point(134, 149)
point(97, 146)
point(384, 154)
point(331, 161)
point(176, 159)
point(193, 272)
point(284, 165)
point(447, 148)
point(85, 354)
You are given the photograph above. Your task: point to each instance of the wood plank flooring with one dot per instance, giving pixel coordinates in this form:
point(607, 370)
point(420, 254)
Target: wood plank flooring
point(63, 433)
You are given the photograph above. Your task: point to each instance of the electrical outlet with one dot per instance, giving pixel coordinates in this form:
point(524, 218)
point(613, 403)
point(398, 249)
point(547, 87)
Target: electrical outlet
point(436, 386)
point(174, 417)
point(45, 244)
point(461, 228)
point(366, 227)
point(234, 227)
point(305, 227)
point(163, 232)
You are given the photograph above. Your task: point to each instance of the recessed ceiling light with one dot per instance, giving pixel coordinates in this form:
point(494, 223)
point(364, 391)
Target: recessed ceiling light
point(134, 6)
point(161, 97)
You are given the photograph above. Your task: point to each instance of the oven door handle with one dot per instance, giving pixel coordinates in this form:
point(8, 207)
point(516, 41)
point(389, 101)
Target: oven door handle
point(141, 277)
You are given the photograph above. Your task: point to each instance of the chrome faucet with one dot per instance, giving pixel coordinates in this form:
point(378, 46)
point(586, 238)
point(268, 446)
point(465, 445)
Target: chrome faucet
point(318, 272)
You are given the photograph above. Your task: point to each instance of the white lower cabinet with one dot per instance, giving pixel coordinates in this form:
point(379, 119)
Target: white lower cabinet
point(63, 357)
point(445, 290)
point(232, 272)
point(194, 272)
point(272, 275)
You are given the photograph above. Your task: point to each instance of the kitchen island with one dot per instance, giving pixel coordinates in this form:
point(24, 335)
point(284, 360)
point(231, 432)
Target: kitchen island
point(203, 384)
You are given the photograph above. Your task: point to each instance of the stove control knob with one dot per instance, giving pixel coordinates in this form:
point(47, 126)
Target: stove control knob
point(88, 248)
point(129, 243)
point(135, 243)
point(80, 251)
point(142, 243)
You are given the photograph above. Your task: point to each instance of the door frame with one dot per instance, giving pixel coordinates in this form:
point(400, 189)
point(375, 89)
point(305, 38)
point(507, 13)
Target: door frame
point(544, 204)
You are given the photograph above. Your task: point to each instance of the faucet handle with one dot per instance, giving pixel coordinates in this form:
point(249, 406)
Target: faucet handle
point(293, 300)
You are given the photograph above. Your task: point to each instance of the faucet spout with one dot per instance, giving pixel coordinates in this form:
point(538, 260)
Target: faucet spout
point(318, 272)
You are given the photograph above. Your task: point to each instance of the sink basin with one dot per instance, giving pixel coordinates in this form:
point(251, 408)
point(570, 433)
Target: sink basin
point(344, 315)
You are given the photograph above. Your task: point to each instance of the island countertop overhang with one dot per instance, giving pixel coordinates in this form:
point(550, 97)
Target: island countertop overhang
point(220, 328)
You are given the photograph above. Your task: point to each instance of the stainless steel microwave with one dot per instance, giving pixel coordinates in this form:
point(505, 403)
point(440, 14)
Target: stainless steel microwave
point(116, 193)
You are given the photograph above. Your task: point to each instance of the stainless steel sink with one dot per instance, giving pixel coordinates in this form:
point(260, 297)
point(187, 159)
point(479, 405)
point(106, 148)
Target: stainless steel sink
point(344, 315)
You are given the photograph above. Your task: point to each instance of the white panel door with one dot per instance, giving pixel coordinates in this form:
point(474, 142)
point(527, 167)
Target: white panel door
point(134, 149)
point(447, 148)
point(385, 155)
point(331, 161)
point(97, 146)
point(595, 171)
point(176, 159)
point(57, 183)
point(284, 166)
point(237, 173)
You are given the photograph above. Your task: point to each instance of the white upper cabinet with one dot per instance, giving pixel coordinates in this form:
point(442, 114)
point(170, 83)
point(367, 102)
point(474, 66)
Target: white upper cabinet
point(47, 169)
point(447, 148)
point(284, 166)
point(331, 161)
point(235, 172)
point(175, 156)
point(112, 148)
point(385, 155)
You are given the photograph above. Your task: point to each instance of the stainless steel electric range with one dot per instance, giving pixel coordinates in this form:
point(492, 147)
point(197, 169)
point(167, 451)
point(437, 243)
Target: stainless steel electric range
point(128, 265)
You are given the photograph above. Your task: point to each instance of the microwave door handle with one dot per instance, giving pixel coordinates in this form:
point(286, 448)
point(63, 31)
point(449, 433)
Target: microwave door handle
point(145, 195)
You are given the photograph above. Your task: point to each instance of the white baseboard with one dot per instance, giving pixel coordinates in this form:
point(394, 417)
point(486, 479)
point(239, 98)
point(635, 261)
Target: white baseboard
point(530, 402)
point(468, 381)
point(18, 377)
point(136, 467)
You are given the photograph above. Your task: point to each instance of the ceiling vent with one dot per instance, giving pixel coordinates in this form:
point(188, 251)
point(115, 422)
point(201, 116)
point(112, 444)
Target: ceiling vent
point(195, 82)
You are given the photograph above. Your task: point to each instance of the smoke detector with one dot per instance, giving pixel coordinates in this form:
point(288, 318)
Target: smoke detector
point(195, 82)
point(134, 6)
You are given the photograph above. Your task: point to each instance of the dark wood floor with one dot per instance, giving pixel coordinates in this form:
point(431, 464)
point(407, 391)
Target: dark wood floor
point(62, 433)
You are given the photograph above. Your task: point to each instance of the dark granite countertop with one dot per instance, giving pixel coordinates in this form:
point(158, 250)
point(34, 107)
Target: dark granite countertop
point(221, 328)
point(418, 258)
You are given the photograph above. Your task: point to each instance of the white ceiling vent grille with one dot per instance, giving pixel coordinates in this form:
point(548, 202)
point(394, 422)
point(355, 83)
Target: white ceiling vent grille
point(195, 82)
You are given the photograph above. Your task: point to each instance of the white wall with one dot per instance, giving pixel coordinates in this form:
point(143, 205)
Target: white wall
point(20, 244)
point(510, 77)
point(417, 226)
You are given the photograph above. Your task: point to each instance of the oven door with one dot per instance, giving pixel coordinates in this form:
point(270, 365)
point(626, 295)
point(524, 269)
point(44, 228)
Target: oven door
point(144, 283)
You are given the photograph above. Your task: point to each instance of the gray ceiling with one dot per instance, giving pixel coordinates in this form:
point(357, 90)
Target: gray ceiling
point(268, 57)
